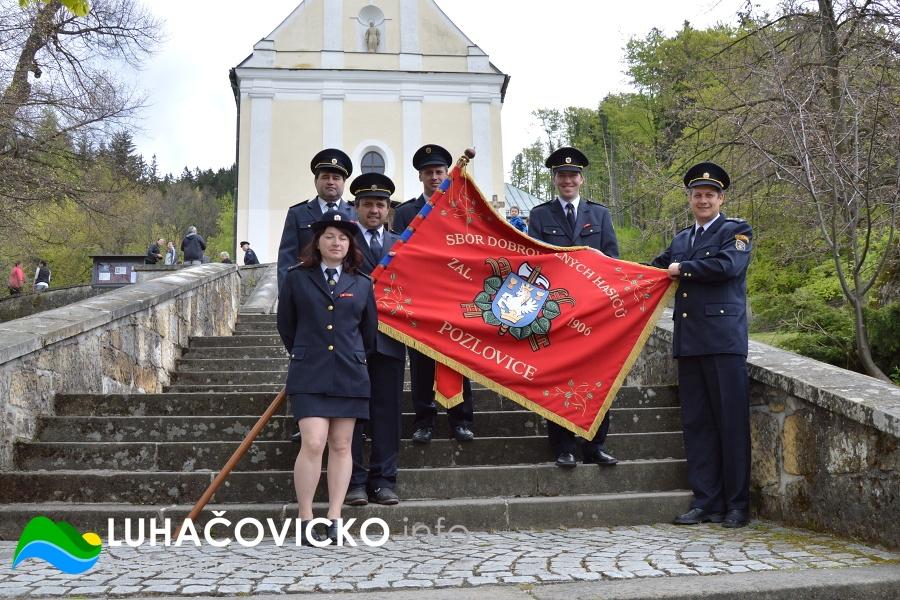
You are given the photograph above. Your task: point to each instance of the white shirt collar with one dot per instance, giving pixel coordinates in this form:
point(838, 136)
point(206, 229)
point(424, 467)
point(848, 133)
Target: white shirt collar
point(339, 269)
point(323, 206)
point(708, 223)
point(574, 203)
point(368, 235)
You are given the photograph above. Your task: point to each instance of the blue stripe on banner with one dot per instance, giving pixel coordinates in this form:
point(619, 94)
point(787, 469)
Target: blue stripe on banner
point(426, 210)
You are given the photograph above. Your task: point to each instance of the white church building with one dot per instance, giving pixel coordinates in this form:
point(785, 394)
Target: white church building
point(377, 79)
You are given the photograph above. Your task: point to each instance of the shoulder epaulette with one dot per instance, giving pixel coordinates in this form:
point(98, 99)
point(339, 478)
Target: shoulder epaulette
point(736, 219)
point(361, 274)
point(407, 202)
point(589, 201)
point(301, 202)
point(297, 266)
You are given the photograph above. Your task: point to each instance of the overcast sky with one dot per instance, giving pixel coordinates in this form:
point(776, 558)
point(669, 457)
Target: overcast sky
point(570, 56)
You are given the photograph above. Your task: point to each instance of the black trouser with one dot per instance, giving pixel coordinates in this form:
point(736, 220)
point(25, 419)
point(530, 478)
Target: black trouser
point(715, 415)
point(384, 424)
point(421, 376)
point(563, 440)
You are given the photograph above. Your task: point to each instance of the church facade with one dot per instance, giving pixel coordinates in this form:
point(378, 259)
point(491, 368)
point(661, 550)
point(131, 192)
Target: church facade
point(377, 79)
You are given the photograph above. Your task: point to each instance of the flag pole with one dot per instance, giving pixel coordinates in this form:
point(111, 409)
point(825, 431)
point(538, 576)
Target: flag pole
point(235, 458)
point(463, 160)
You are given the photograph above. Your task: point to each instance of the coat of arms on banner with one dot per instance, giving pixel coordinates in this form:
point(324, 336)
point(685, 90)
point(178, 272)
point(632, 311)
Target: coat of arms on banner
point(521, 303)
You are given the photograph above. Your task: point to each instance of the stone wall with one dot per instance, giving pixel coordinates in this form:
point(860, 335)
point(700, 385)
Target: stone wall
point(17, 307)
point(826, 441)
point(125, 340)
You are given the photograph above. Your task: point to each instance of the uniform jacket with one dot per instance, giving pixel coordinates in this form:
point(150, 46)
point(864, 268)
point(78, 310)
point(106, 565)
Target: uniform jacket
point(297, 233)
point(405, 213)
point(593, 226)
point(383, 344)
point(193, 246)
point(250, 257)
point(327, 335)
point(710, 311)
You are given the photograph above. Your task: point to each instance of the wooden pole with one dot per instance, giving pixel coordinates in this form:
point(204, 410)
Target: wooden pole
point(235, 458)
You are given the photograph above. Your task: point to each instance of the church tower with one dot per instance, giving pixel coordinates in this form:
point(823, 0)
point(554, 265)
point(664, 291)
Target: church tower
point(376, 79)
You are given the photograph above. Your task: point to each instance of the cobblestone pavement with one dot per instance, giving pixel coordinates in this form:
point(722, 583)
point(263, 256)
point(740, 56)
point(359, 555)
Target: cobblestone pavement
point(443, 561)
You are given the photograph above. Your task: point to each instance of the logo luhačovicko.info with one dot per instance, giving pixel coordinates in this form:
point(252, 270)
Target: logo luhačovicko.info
point(59, 544)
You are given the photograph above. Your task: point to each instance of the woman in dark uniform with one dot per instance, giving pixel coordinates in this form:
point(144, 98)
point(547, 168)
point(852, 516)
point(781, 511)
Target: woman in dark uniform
point(327, 320)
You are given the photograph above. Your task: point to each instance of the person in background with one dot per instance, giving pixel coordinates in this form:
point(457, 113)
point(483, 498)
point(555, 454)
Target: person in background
point(224, 258)
point(16, 279)
point(154, 252)
point(42, 277)
point(249, 254)
point(516, 220)
point(171, 254)
point(193, 246)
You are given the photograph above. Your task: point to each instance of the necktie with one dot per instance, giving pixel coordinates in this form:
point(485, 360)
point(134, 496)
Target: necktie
point(375, 244)
point(697, 236)
point(330, 206)
point(570, 216)
point(331, 278)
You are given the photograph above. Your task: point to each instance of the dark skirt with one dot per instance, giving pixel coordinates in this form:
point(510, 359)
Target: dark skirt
point(321, 405)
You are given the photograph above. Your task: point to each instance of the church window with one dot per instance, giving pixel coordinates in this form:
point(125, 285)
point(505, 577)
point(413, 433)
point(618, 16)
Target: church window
point(372, 162)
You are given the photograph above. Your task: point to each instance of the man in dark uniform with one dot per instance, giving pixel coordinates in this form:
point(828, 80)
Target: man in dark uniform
point(373, 204)
point(249, 254)
point(570, 220)
point(331, 168)
point(433, 164)
point(710, 260)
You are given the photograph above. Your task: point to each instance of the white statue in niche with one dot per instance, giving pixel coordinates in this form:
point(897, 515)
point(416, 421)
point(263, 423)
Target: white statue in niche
point(372, 37)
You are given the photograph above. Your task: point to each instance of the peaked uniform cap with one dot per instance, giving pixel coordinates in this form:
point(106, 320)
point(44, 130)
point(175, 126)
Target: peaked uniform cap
point(431, 154)
point(567, 159)
point(333, 218)
point(332, 159)
point(373, 185)
point(707, 173)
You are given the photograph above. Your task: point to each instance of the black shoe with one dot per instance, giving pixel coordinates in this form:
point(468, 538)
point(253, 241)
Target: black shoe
point(385, 496)
point(423, 435)
point(735, 518)
point(463, 434)
point(313, 535)
point(331, 533)
point(695, 516)
point(601, 458)
point(356, 496)
point(566, 460)
point(296, 437)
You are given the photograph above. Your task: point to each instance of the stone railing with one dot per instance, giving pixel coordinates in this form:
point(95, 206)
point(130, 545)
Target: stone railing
point(125, 340)
point(826, 441)
point(16, 307)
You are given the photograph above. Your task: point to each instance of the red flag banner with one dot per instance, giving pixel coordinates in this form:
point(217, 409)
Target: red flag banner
point(553, 329)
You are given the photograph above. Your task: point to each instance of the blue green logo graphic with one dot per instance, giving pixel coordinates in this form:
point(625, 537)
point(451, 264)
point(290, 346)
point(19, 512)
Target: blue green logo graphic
point(59, 544)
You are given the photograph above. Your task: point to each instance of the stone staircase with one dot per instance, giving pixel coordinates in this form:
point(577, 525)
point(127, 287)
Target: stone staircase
point(152, 455)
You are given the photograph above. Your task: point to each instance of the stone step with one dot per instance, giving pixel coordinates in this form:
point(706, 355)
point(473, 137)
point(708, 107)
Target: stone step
point(280, 455)
point(256, 318)
point(233, 428)
point(150, 487)
point(220, 364)
point(215, 341)
point(236, 352)
point(477, 514)
point(255, 403)
point(242, 327)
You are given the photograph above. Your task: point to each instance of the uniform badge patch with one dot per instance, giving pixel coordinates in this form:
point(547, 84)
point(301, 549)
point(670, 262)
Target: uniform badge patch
point(346, 295)
point(740, 242)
